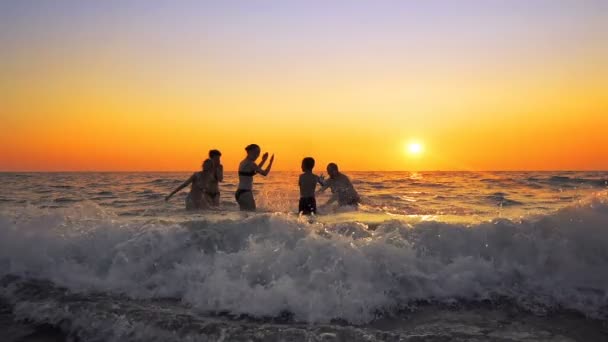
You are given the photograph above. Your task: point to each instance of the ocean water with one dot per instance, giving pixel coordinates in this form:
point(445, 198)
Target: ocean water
point(429, 256)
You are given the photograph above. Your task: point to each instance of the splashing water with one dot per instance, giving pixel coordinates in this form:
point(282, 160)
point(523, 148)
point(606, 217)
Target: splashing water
point(93, 260)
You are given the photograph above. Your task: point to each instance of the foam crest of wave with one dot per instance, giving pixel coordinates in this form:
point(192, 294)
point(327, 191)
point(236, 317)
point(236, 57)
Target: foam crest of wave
point(269, 264)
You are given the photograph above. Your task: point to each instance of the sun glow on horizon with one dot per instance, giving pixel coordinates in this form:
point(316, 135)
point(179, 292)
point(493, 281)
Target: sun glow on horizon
point(382, 86)
point(414, 148)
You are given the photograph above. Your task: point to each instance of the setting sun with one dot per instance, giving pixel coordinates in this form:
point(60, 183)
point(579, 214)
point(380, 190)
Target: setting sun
point(158, 97)
point(414, 148)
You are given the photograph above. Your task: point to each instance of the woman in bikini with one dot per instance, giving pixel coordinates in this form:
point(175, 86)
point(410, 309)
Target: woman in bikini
point(247, 169)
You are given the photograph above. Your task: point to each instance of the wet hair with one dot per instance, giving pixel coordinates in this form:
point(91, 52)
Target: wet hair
point(251, 147)
point(333, 165)
point(308, 163)
point(207, 164)
point(215, 153)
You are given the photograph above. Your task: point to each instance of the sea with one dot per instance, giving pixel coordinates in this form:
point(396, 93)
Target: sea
point(427, 256)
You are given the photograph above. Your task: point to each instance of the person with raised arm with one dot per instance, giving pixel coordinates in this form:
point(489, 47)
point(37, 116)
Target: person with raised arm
point(247, 169)
point(341, 187)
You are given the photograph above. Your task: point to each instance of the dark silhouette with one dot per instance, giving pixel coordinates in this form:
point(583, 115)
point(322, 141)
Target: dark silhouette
point(198, 197)
point(308, 182)
point(341, 187)
point(213, 191)
point(247, 169)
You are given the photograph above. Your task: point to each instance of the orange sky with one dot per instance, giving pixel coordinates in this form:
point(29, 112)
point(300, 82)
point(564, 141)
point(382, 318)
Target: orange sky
point(154, 88)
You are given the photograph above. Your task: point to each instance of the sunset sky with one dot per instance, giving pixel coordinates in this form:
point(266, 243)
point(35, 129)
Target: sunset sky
point(153, 85)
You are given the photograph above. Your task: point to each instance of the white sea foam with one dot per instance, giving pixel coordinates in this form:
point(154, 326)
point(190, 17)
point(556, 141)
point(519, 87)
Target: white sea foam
point(268, 264)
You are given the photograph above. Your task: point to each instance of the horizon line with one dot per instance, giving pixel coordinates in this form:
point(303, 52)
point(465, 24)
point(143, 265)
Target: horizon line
point(181, 171)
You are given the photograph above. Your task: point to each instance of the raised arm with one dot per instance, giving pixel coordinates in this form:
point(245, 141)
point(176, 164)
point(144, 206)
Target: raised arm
point(183, 185)
point(321, 180)
point(264, 158)
point(265, 172)
point(324, 185)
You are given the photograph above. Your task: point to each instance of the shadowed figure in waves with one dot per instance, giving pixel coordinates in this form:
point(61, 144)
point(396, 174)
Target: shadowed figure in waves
point(198, 197)
point(341, 187)
point(247, 169)
point(308, 182)
point(213, 191)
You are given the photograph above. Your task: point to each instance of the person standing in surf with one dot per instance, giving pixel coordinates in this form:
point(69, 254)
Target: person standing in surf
point(213, 191)
point(198, 197)
point(247, 169)
point(308, 182)
point(342, 189)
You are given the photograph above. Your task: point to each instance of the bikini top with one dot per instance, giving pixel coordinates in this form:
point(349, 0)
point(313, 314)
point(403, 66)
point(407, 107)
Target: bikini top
point(247, 173)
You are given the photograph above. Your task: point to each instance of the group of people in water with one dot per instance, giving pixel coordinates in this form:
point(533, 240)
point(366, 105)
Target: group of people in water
point(204, 185)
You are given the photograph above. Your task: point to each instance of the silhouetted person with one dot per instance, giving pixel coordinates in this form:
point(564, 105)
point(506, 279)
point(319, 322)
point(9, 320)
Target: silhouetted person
point(197, 197)
point(341, 187)
point(247, 169)
point(213, 192)
point(308, 182)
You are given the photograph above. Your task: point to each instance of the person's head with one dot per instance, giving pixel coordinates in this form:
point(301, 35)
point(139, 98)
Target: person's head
point(308, 164)
point(253, 151)
point(332, 170)
point(215, 156)
point(207, 165)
